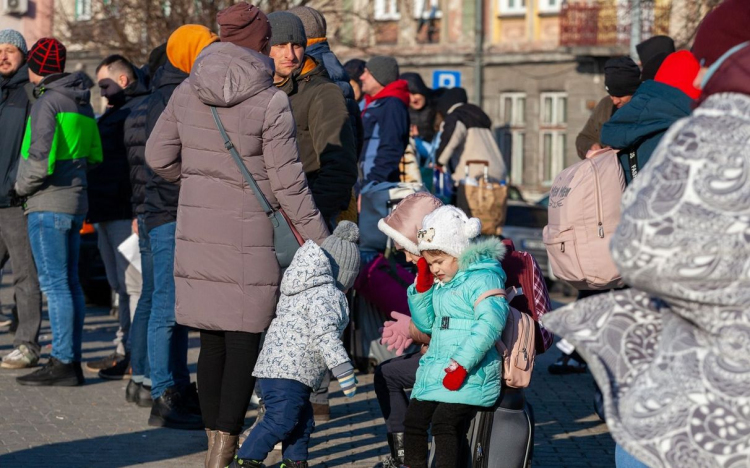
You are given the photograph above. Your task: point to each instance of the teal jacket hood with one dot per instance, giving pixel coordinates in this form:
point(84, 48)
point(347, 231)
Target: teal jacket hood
point(641, 124)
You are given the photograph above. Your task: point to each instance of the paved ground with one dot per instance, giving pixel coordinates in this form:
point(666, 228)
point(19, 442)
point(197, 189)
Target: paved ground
point(93, 426)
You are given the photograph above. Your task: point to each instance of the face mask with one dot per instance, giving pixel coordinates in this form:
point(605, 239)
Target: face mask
point(112, 91)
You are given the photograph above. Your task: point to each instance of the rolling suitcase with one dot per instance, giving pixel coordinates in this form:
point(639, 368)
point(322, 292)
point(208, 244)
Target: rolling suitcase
point(498, 437)
point(503, 437)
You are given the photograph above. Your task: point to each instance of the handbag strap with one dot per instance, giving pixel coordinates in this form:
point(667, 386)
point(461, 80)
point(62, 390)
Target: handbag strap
point(267, 208)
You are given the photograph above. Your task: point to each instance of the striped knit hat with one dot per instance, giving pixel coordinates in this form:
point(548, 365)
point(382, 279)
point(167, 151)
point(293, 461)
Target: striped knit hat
point(47, 57)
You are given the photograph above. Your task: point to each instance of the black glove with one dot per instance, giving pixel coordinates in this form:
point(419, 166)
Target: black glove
point(15, 199)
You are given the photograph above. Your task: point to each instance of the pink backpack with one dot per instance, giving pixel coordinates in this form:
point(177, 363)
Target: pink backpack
point(517, 345)
point(584, 210)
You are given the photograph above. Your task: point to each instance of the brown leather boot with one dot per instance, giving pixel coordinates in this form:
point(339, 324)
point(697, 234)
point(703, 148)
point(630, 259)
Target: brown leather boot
point(211, 435)
point(223, 451)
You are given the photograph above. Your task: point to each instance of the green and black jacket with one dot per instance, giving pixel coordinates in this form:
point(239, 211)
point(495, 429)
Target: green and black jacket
point(60, 143)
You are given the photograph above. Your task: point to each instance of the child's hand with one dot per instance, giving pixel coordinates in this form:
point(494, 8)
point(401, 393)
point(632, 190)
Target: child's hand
point(396, 334)
point(455, 375)
point(348, 383)
point(425, 279)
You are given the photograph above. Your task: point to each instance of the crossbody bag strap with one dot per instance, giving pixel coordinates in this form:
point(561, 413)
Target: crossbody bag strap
point(633, 163)
point(243, 169)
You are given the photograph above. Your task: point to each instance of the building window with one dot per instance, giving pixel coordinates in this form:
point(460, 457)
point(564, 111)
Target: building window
point(83, 10)
point(553, 134)
point(550, 6)
point(513, 133)
point(388, 10)
point(512, 7)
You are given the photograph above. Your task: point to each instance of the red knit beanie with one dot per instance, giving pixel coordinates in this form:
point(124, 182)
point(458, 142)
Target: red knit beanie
point(47, 57)
point(679, 71)
point(722, 29)
point(244, 25)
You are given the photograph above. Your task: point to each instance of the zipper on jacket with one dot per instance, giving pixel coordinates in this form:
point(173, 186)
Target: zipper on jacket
point(599, 210)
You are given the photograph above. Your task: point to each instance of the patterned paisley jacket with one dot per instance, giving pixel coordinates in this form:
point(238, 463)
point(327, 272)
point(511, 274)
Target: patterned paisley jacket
point(675, 371)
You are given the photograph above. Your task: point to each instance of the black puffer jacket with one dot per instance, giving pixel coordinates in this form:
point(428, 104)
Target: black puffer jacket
point(161, 196)
point(135, 143)
point(109, 187)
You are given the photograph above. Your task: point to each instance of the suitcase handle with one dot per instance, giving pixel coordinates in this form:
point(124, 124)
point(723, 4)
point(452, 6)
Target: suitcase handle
point(478, 162)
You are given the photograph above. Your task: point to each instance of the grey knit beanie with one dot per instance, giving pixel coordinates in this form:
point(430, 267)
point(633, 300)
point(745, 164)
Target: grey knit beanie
point(313, 21)
point(343, 253)
point(13, 37)
point(286, 28)
point(384, 69)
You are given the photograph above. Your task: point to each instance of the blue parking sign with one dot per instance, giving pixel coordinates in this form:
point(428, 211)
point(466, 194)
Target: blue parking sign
point(446, 79)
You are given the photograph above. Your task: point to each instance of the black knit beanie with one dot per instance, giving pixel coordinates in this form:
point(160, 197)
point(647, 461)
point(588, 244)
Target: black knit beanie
point(621, 76)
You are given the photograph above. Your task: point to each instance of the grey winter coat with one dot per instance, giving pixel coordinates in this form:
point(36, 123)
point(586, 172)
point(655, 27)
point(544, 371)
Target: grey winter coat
point(60, 143)
point(226, 273)
point(304, 338)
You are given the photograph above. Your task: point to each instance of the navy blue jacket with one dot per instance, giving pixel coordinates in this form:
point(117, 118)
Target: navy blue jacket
point(640, 125)
point(386, 125)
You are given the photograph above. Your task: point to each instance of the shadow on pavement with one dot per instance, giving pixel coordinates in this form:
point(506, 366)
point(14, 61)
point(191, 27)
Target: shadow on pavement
point(114, 451)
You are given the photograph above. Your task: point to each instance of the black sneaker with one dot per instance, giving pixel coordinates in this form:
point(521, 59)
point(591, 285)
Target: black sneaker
point(245, 463)
point(169, 411)
point(567, 365)
point(190, 399)
point(119, 371)
point(104, 363)
point(54, 374)
point(287, 463)
point(143, 397)
point(131, 391)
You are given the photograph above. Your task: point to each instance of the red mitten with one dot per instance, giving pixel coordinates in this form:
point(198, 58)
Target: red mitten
point(454, 376)
point(425, 278)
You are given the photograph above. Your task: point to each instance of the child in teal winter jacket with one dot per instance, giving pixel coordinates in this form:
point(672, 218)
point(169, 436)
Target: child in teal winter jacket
point(461, 371)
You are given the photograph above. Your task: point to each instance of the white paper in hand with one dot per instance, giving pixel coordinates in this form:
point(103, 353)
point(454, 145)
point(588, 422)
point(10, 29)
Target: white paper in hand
point(131, 251)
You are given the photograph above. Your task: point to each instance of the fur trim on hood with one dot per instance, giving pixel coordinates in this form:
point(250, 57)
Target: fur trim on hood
point(486, 248)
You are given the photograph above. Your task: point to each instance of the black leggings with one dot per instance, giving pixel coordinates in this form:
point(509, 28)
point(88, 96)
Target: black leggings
point(225, 381)
point(392, 379)
point(448, 422)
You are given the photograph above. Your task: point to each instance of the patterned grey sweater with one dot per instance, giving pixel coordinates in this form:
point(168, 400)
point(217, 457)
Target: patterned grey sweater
point(303, 340)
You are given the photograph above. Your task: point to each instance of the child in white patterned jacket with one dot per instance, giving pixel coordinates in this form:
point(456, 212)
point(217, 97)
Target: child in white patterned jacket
point(302, 344)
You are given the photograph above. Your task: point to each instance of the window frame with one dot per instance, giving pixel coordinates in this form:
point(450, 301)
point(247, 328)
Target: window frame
point(419, 12)
point(544, 7)
point(504, 9)
point(80, 10)
point(514, 133)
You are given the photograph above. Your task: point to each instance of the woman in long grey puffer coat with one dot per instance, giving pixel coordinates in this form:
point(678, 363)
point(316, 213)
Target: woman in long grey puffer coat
point(226, 273)
point(672, 355)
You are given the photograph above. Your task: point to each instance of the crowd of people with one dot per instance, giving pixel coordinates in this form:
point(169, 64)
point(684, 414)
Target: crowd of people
point(200, 148)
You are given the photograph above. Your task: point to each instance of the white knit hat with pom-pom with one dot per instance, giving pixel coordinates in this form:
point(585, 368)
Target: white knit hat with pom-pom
point(448, 230)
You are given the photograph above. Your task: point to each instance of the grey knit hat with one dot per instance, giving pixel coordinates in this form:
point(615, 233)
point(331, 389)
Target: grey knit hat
point(343, 253)
point(286, 28)
point(312, 19)
point(13, 37)
point(384, 69)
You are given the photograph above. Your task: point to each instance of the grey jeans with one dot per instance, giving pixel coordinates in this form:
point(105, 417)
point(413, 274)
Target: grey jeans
point(122, 277)
point(15, 245)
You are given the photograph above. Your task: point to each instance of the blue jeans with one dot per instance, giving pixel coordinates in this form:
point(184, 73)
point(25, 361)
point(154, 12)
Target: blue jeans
point(139, 327)
point(288, 419)
point(625, 460)
point(167, 341)
point(55, 243)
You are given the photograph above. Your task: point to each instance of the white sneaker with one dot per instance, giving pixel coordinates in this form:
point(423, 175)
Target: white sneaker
point(20, 358)
point(5, 320)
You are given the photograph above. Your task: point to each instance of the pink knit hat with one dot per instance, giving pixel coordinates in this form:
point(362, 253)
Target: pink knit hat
point(406, 219)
